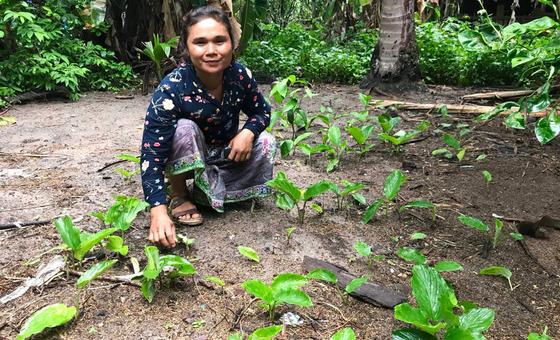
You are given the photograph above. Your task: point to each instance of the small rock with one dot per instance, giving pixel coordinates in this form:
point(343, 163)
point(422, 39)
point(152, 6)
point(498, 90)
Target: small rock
point(291, 319)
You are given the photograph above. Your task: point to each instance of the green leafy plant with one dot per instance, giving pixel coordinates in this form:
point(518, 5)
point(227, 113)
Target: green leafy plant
point(391, 188)
point(420, 204)
point(93, 272)
point(348, 189)
point(411, 255)
point(448, 266)
point(437, 310)
point(344, 334)
point(265, 333)
point(79, 242)
point(354, 284)
point(291, 115)
point(249, 253)
point(288, 195)
point(289, 232)
point(457, 152)
point(487, 177)
point(132, 159)
point(477, 224)
point(47, 317)
point(284, 289)
point(171, 266)
point(364, 250)
point(397, 139)
point(122, 213)
point(536, 336)
point(158, 51)
point(498, 271)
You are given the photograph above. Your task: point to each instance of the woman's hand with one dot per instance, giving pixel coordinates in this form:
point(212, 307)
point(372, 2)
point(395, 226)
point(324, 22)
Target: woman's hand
point(162, 229)
point(241, 146)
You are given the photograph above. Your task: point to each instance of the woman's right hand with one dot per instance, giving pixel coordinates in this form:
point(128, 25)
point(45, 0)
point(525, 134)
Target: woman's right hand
point(162, 229)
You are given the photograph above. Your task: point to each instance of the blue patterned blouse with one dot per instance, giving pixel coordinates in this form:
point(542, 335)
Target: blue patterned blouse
point(182, 95)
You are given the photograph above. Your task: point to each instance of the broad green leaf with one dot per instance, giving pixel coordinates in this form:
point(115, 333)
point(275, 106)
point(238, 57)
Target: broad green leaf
point(306, 149)
point(266, 333)
point(497, 271)
point(473, 222)
point(116, 244)
point(418, 236)
point(411, 334)
point(283, 185)
point(448, 266)
point(318, 208)
point(364, 98)
point(236, 336)
point(547, 128)
point(154, 265)
point(362, 248)
point(47, 317)
point(344, 334)
point(316, 190)
point(92, 273)
point(536, 336)
point(387, 122)
point(284, 201)
point(412, 315)
point(287, 280)
point(458, 333)
point(215, 280)
point(293, 296)
point(187, 241)
point(88, 241)
point(323, 275)
point(498, 226)
point(433, 296)
point(302, 137)
point(350, 187)
point(359, 198)
point(372, 210)
point(355, 284)
point(331, 164)
point(515, 120)
point(393, 184)
point(148, 289)
point(487, 176)
point(335, 136)
point(286, 147)
point(443, 152)
point(540, 24)
point(128, 157)
point(181, 266)
point(516, 236)
point(259, 289)
point(451, 141)
point(477, 320)
point(69, 234)
point(461, 154)
point(417, 204)
point(249, 253)
point(411, 255)
point(357, 134)
point(124, 211)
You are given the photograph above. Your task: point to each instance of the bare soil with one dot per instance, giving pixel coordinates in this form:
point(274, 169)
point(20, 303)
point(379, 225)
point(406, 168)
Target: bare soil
point(49, 165)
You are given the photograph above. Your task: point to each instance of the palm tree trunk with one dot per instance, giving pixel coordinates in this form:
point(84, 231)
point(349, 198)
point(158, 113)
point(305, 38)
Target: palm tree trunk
point(395, 58)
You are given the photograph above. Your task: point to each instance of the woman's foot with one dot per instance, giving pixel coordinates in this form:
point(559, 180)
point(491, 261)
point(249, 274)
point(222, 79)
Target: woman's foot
point(185, 212)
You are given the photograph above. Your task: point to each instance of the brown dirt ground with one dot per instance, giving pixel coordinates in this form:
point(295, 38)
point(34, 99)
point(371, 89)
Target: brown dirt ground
point(59, 146)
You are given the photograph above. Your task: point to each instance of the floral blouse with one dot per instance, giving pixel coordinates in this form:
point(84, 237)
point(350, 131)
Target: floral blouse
point(182, 95)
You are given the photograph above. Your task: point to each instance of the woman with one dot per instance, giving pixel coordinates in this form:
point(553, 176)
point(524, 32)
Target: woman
point(191, 130)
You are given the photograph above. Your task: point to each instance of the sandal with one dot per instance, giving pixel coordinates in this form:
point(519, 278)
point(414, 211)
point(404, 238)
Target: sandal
point(176, 202)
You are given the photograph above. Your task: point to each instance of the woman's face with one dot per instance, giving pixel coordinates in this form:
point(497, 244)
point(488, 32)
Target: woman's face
point(210, 47)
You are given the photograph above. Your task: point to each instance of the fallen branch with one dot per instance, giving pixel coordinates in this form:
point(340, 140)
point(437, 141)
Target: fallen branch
point(451, 108)
point(114, 279)
point(13, 225)
point(110, 164)
point(369, 292)
point(499, 94)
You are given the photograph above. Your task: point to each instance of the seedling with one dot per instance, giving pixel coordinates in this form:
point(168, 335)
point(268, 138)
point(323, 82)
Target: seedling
point(288, 146)
point(158, 51)
point(249, 253)
point(487, 177)
point(188, 242)
point(283, 290)
point(344, 334)
point(47, 317)
point(420, 204)
point(365, 250)
point(418, 236)
point(122, 213)
point(289, 196)
point(400, 137)
point(456, 150)
point(335, 147)
point(353, 285)
point(498, 271)
point(438, 310)
point(172, 266)
point(391, 188)
point(265, 333)
point(215, 280)
point(134, 160)
point(477, 224)
point(94, 272)
point(411, 255)
point(536, 336)
point(291, 116)
point(348, 189)
point(289, 232)
point(361, 136)
point(448, 266)
point(78, 242)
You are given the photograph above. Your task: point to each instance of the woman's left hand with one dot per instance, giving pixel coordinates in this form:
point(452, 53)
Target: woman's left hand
point(241, 146)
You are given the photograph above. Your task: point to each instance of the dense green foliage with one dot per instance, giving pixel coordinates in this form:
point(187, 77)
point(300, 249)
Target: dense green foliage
point(41, 49)
point(278, 52)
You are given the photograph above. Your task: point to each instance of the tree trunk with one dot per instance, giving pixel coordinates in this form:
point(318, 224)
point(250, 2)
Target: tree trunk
point(395, 58)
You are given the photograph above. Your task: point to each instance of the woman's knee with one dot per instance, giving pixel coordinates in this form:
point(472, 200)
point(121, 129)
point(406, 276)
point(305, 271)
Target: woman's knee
point(267, 143)
point(186, 127)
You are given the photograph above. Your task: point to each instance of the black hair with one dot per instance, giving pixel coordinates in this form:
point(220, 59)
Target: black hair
point(195, 16)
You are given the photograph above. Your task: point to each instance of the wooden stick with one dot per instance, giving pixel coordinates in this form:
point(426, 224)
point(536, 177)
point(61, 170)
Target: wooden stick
point(500, 94)
point(110, 164)
point(369, 292)
point(451, 108)
point(6, 226)
point(107, 278)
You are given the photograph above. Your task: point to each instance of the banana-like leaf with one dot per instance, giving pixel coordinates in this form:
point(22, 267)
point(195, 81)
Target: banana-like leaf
point(92, 273)
point(69, 234)
point(47, 317)
point(88, 241)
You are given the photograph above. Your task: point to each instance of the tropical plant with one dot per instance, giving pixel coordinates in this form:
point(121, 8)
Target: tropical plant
point(344, 334)
point(132, 159)
point(264, 333)
point(291, 115)
point(391, 189)
point(158, 51)
point(47, 317)
point(537, 336)
point(438, 310)
point(397, 139)
point(498, 271)
point(122, 213)
point(348, 189)
point(249, 253)
point(457, 151)
point(169, 266)
point(284, 289)
point(365, 250)
point(477, 224)
point(288, 195)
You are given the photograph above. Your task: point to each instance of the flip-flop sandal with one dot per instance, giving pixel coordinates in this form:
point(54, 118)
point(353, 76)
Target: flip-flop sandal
point(193, 221)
